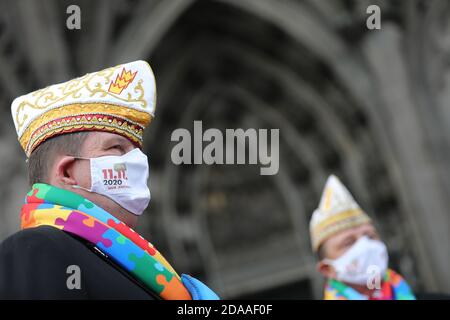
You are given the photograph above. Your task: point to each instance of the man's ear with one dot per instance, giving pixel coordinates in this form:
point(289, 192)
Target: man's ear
point(63, 172)
point(326, 269)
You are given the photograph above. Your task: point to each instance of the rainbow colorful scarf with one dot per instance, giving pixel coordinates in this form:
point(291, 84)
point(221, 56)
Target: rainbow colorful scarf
point(394, 287)
point(68, 211)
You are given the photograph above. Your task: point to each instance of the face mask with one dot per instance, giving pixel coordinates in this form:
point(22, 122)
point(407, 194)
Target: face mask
point(365, 260)
point(122, 179)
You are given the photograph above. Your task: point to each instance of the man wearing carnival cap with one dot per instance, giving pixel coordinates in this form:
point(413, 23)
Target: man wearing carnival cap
point(352, 257)
point(89, 177)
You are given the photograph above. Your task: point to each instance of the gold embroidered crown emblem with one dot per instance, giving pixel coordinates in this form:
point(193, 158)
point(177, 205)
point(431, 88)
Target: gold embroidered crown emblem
point(119, 99)
point(122, 81)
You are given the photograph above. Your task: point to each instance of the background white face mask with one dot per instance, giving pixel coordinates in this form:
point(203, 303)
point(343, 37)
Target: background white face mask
point(122, 179)
point(361, 262)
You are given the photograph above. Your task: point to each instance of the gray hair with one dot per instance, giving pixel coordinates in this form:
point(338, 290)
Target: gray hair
point(42, 158)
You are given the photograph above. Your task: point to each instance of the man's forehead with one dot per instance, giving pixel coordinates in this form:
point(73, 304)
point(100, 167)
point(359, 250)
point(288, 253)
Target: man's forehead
point(99, 138)
point(352, 232)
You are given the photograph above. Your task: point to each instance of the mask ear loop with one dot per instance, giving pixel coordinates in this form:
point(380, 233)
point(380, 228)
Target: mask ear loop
point(79, 157)
point(77, 186)
point(328, 261)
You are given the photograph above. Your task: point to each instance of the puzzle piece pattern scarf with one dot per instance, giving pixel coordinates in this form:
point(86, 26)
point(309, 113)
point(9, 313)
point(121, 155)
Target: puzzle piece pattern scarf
point(394, 287)
point(70, 212)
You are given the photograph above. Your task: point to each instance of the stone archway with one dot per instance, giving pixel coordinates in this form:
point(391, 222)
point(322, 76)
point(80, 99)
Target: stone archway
point(236, 48)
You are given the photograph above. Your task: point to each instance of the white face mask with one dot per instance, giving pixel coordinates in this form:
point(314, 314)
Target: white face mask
point(122, 179)
point(365, 260)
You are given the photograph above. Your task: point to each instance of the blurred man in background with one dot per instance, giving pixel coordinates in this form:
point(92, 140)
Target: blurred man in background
point(89, 178)
point(353, 259)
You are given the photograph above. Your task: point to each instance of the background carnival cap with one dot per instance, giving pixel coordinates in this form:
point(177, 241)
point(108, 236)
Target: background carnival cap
point(120, 99)
point(337, 211)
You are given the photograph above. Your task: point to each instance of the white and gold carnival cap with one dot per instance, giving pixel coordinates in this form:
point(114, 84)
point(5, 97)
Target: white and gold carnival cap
point(120, 99)
point(337, 211)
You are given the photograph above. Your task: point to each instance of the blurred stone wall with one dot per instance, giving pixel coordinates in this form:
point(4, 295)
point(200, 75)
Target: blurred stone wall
point(368, 105)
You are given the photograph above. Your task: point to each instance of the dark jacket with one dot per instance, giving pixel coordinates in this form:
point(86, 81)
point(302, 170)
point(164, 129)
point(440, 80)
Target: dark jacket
point(35, 264)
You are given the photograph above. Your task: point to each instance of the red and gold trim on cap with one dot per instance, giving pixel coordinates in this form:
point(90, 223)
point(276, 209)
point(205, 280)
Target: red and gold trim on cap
point(127, 122)
point(339, 222)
